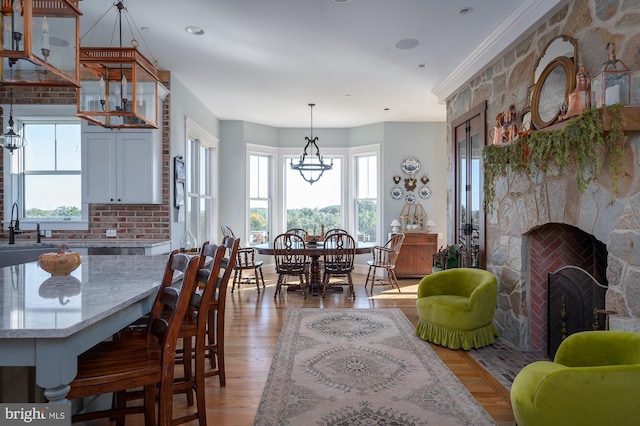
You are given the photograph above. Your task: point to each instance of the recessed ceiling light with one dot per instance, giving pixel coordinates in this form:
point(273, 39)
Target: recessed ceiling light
point(407, 43)
point(341, 1)
point(465, 10)
point(194, 30)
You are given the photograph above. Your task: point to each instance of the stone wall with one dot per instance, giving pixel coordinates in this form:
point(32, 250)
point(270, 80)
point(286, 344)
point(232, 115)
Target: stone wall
point(524, 203)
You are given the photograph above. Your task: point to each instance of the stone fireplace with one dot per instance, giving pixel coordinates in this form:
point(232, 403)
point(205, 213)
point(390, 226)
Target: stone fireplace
point(541, 222)
point(551, 248)
point(526, 206)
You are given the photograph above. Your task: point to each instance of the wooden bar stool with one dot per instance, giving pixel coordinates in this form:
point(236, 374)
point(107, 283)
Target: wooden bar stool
point(145, 360)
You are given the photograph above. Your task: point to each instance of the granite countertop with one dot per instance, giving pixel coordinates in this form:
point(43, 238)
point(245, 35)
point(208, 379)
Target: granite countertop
point(36, 304)
point(114, 242)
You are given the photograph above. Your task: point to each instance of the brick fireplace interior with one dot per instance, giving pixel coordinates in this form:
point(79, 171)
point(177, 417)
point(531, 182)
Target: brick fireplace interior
point(551, 247)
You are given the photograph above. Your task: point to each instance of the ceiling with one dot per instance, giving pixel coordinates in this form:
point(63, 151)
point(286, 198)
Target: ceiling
point(264, 61)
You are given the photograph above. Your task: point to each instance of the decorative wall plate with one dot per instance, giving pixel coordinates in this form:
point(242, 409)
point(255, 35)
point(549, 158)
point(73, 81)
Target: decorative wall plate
point(396, 192)
point(410, 166)
point(410, 198)
point(425, 191)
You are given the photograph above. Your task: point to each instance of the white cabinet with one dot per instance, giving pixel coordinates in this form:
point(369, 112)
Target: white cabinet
point(122, 166)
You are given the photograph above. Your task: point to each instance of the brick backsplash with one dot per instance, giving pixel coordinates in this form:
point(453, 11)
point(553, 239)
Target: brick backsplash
point(135, 221)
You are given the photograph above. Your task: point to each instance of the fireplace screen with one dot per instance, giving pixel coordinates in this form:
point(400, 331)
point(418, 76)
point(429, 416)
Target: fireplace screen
point(576, 303)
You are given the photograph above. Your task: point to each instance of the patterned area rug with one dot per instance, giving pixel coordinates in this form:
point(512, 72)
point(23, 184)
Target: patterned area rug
point(360, 367)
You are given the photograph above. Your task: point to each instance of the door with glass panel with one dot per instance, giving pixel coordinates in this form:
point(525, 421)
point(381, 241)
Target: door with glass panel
point(469, 222)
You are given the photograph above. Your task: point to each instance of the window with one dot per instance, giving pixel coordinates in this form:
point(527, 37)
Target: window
point(201, 192)
point(50, 185)
point(311, 206)
point(260, 167)
point(366, 197)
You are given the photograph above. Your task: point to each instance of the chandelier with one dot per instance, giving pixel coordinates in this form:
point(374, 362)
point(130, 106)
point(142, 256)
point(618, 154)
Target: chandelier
point(10, 139)
point(40, 43)
point(311, 164)
point(118, 85)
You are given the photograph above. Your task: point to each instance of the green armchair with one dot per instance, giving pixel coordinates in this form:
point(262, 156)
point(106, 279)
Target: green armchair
point(594, 379)
point(456, 307)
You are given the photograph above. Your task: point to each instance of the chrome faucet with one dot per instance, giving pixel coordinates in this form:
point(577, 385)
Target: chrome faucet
point(14, 225)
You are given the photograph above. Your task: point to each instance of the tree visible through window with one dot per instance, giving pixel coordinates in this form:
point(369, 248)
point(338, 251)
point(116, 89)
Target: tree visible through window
point(311, 206)
point(259, 198)
point(51, 178)
point(366, 197)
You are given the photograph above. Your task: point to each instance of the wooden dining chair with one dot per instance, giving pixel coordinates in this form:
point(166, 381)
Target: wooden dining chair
point(145, 360)
point(245, 261)
point(291, 259)
point(338, 256)
point(298, 231)
point(384, 257)
point(334, 231)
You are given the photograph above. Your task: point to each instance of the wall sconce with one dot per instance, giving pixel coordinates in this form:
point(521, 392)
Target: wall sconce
point(395, 226)
point(612, 85)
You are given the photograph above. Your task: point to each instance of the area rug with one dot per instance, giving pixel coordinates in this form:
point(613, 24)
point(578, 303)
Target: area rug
point(360, 367)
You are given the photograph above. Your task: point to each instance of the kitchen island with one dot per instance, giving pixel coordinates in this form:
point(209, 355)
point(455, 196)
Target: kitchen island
point(48, 321)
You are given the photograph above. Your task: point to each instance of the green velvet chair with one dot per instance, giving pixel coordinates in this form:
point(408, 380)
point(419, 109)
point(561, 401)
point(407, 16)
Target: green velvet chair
point(456, 308)
point(594, 379)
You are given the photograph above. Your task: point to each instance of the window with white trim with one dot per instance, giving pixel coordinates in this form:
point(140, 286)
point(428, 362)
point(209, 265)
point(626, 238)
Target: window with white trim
point(366, 196)
point(260, 197)
point(47, 172)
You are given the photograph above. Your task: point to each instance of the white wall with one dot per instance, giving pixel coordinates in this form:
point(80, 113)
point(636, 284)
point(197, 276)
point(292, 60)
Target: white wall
point(185, 104)
point(399, 140)
point(426, 142)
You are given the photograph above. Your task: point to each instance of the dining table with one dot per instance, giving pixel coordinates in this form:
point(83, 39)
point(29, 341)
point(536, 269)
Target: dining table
point(47, 321)
point(315, 251)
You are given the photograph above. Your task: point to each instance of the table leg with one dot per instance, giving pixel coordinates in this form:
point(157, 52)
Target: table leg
point(314, 280)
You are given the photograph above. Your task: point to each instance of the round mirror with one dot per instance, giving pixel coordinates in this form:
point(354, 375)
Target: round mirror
point(554, 76)
point(556, 81)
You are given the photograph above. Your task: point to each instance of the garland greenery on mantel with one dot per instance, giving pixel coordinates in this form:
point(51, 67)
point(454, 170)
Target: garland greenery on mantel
point(583, 137)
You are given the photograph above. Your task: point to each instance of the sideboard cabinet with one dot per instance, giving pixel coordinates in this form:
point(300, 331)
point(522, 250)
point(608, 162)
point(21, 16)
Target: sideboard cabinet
point(416, 255)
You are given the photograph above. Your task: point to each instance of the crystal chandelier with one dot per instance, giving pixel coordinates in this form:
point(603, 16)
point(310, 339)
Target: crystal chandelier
point(10, 139)
point(119, 86)
point(40, 43)
point(311, 164)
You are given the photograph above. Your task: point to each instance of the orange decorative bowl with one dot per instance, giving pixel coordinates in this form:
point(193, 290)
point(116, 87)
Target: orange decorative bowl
point(60, 263)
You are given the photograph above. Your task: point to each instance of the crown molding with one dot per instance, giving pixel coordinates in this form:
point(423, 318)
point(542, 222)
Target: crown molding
point(510, 31)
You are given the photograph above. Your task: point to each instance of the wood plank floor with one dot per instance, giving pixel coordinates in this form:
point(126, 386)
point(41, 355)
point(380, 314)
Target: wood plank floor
point(253, 323)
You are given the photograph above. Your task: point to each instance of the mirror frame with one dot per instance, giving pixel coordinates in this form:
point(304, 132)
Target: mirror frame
point(569, 66)
point(566, 67)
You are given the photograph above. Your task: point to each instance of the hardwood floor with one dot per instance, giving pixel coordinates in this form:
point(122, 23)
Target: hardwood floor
point(253, 323)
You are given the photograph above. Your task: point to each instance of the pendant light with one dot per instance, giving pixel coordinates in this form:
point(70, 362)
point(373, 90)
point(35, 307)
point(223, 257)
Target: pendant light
point(10, 139)
point(118, 85)
point(311, 164)
point(40, 43)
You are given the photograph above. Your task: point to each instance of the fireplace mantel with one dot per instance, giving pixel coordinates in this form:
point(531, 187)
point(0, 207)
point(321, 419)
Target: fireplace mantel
point(630, 114)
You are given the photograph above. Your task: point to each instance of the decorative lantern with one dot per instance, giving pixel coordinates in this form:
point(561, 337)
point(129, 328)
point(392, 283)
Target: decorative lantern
point(119, 85)
point(40, 43)
point(612, 85)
